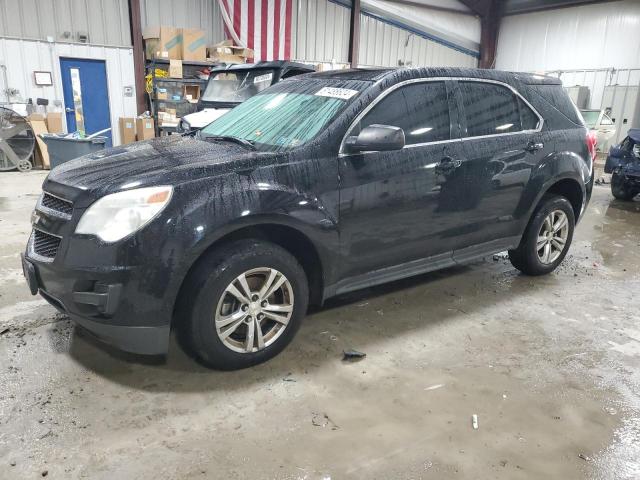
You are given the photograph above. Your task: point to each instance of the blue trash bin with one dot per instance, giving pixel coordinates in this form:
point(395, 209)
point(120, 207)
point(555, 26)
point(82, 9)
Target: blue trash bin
point(62, 149)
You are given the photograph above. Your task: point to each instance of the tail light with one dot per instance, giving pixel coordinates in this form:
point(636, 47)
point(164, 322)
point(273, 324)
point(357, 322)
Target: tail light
point(592, 141)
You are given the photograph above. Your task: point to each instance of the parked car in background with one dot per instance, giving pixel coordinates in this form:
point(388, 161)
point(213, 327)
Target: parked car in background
point(601, 123)
point(231, 85)
point(317, 186)
point(623, 163)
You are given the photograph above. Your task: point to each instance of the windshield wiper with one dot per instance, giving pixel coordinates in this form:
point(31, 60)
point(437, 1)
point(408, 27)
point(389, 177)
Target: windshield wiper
point(230, 138)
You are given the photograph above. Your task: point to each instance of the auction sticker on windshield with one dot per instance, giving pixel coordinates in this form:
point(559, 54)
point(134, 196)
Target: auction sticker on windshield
point(334, 92)
point(263, 78)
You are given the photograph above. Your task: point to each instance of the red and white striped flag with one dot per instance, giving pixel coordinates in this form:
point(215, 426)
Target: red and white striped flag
point(262, 25)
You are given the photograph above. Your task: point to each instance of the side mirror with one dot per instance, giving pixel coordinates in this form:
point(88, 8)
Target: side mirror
point(376, 138)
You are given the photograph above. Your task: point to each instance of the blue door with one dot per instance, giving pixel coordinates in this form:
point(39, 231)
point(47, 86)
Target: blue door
point(86, 96)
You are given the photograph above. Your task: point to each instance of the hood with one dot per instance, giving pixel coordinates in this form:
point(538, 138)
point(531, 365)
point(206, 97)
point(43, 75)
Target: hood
point(634, 134)
point(161, 161)
point(204, 117)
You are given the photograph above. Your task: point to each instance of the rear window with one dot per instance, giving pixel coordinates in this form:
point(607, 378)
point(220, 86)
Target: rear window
point(492, 109)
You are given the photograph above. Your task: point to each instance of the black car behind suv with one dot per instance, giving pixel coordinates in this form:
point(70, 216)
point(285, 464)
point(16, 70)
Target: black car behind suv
point(319, 185)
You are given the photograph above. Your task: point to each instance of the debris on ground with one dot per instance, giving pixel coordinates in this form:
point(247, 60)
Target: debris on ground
point(435, 387)
point(584, 457)
point(352, 355)
point(4, 330)
point(474, 421)
point(323, 420)
point(289, 378)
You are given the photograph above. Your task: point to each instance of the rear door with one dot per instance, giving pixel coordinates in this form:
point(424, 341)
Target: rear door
point(501, 145)
point(389, 200)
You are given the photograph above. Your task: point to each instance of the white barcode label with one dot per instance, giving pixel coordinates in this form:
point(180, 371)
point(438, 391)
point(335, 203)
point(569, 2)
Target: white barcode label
point(341, 93)
point(263, 78)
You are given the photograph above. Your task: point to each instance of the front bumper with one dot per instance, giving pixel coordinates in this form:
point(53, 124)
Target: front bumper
point(100, 302)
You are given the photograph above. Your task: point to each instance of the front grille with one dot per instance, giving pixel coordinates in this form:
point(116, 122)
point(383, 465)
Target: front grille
point(44, 244)
point(54, 203)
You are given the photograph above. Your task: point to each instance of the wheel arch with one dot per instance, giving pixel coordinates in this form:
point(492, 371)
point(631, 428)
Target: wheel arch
point(571, 190)
point(284, 235)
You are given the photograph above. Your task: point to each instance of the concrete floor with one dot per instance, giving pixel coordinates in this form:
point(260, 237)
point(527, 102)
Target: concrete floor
point(549, 365)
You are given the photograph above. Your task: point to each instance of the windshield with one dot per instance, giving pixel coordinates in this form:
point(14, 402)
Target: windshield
point(590, 117)
point(237, 86)
point(282, 119)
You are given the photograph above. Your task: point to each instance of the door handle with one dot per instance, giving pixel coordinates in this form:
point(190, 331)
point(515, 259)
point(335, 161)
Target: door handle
point(534, 146)
point(69, 110)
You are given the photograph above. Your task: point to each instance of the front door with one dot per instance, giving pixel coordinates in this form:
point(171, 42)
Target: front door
point(86, 96)
point(388, 199)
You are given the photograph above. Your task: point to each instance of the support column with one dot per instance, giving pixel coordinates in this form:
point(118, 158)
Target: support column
point(354, 33)
point(138, 54)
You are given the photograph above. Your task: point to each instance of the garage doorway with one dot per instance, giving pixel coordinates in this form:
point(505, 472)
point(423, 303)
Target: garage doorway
point(86, 95)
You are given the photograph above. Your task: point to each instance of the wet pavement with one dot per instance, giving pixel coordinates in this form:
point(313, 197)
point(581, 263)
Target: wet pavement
point(549, 365)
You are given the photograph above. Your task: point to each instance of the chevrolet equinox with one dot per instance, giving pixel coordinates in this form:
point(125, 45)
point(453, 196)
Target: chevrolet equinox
point(319, 185)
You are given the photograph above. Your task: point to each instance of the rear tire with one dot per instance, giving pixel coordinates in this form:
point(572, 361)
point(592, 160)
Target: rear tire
point(225, 332)
point(547, 237)
point(620, 188)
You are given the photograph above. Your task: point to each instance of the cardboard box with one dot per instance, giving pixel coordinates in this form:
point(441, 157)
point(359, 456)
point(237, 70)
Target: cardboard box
point(162, 42)
point(191, 93)
point(39, 127)
point(54, 122)
point(127, 130)
point(222, 52)
point(175, 68)
point(161, 94)
point(194, 45)
point(166, 119)
point(145, 128)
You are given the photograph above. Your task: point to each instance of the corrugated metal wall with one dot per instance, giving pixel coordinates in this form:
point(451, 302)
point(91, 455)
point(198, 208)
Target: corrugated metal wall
point(321, 34)
point(320, 31)
point(203, 14)
point(106, 22)
point(601, 35)
point(22, 57)
point(383, 44)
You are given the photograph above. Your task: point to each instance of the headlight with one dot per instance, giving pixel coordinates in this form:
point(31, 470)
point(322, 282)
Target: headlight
point(115, 216)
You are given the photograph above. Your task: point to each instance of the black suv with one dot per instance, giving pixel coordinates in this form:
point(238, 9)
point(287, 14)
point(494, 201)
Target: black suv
point(319, 185)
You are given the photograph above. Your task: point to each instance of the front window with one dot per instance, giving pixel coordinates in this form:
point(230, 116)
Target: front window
point(420, 109)
point(237, 86)
point(590, 117)
point(283, 118)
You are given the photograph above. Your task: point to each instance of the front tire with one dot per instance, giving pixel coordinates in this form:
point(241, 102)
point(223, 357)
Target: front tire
point(620, 188)
point(547, 237)
point(246, 301)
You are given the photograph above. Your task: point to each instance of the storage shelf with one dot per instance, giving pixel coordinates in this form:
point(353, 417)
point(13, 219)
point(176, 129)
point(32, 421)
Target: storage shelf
point(171, 100)
point(165, 61)
point(179, 80)
point(189, 69)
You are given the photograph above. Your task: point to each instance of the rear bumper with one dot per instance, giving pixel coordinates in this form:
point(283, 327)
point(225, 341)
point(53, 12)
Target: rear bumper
point(101, 302)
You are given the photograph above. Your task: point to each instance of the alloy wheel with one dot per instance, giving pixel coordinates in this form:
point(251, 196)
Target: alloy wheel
point(254, 310)
point(552, 238)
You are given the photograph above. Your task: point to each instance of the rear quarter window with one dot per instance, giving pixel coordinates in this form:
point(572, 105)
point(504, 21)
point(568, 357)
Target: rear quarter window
point(556, 97)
